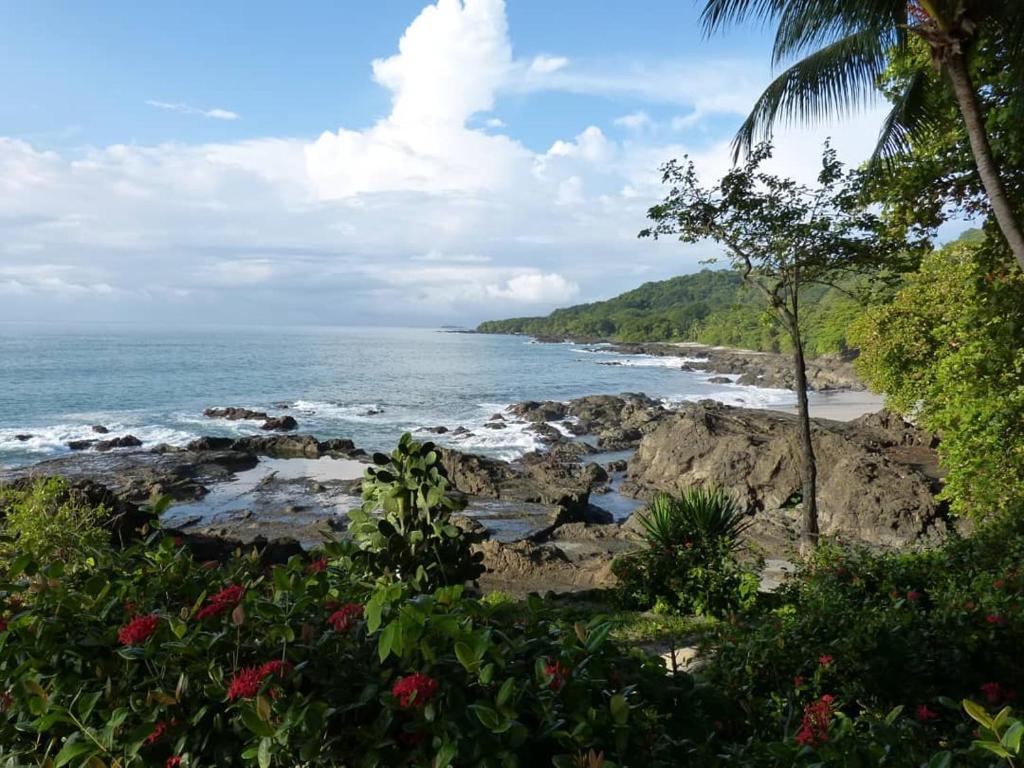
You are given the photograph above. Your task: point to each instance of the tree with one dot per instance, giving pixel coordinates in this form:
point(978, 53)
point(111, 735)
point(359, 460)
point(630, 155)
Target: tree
point(783, 237)
point(949, 350)
point(846, 46)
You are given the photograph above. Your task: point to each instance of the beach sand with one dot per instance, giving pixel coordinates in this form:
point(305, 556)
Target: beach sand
point(842, 405)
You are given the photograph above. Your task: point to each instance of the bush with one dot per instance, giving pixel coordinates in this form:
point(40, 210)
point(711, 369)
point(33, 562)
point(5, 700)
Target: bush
point(894, 641)
point(689, 565)
point(45, 519)
point(151, 657)
point(404, 528)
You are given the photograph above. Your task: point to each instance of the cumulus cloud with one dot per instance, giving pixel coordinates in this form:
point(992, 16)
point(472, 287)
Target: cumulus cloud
point(418, 217)
point(634, 120)
point(187, 109)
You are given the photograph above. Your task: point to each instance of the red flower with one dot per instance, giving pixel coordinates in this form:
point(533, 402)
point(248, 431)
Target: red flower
point(814, 726)
point(913, 595)
point(343, 618)
point(223, 601)
point(924, 714)
point(999, 583)
point(178, 541)
point(993, 692)
point(6, 702)
point(173, 762)
point(317, 566)
point(275, 669)
point(129, 608)
point(559, 675)
point(798, 681)
point(414, 690)
point(3, 625)
point(138, 630)
point(245, 684)
point(158, 731)
point(825, 660)
point(994, 618)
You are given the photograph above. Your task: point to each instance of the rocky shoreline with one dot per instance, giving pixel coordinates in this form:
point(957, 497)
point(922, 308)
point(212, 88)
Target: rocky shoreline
point(554, 518)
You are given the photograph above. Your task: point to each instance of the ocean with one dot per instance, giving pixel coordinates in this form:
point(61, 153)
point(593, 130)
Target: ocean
point(367, 384)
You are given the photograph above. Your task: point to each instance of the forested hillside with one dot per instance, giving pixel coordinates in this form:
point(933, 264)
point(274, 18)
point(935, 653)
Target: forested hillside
point(710, 306)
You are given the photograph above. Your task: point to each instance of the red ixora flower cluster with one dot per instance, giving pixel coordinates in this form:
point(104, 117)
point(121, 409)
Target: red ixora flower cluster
point(158, 731)
point(247, 682)
point(995, 693)
point(924, 714)
point(814, 727)
point(138, 630)
point(173, 762)
point(414, 690)
point(559, 675)
point(317, 566)
point(223, 601)
point(913, 595)
point(994, 618)
point(825, 660)
point(343, 618)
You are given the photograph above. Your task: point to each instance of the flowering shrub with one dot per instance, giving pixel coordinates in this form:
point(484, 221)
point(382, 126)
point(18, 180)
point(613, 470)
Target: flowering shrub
point(890, 642)
point(150, 658)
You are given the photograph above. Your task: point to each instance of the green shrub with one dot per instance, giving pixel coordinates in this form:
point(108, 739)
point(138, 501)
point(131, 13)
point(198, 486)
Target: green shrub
point(151, 656)
point(404, 528)
point(49, 521)
point(689, 565)
point(878, 633)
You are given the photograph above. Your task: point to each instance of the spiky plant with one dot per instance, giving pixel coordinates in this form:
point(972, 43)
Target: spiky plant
point(698, 516)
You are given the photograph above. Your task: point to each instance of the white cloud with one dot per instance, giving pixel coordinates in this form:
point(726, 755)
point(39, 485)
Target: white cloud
point(495, 122)
point(634, 120)
point(187, 109)
point(545, 65)
point(416, 217)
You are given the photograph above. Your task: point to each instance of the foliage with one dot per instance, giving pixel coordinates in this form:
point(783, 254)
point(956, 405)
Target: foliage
point(151, 656)
point(949, 350)
point(404, 528)
point(895, 641)
point(999, 734)
point(689, 565)
point(47, 520)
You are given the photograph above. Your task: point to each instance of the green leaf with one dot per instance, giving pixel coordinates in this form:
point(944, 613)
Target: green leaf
point(505, 692)
point(978, 713)
point(1011, 739)
point(941, 760)
point(254, 723)
point(466, 656)
point(620, 709)
point(994, 747)
point(72, 750)
point(445, 755)
point(263, 756)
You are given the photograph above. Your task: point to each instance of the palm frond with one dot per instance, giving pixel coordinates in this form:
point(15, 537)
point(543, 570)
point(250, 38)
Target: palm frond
point(806, 25)
point(721, 13)
point(839, 77)
point(908, 117)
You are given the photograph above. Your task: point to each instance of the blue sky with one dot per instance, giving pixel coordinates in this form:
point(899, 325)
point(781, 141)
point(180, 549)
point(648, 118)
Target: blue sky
point(339, 162)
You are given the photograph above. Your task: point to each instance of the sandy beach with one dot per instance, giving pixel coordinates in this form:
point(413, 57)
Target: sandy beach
point(842, 405)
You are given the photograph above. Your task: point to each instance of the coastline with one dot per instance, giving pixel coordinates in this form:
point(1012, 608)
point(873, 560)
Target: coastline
point(842, 405)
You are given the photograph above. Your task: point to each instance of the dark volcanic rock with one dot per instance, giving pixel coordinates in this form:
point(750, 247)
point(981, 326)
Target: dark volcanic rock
point(235, 414)
point(434, 430)
point(22, 437)
point(280, 424)
point(619, 421)
point(79, 445)
point(719, 380)
point(99, 429)
point(868, 487)
point(549, 410)
point(127, 441)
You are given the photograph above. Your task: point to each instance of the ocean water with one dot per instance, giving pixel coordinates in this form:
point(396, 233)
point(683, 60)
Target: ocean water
point(367, 384)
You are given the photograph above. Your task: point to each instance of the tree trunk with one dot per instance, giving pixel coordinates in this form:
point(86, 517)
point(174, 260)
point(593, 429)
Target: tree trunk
point(967, 99)
point(809, 535)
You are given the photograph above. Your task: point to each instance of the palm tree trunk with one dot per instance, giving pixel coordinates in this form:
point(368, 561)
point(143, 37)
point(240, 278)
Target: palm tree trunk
point(988, 169)
point(809, 534)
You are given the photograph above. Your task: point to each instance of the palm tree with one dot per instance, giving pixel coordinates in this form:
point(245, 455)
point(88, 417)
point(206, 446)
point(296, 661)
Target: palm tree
point(846, 45)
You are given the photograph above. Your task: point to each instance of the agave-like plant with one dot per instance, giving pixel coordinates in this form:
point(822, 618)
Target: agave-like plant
point(699, 515)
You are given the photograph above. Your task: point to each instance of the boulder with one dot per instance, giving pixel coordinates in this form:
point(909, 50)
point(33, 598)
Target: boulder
point(23, 437)
point(127, 441)
point(867, 489)
point(531, 410)
point(280, 424)
point(619, 421)
point(99, 429)
point(79, 445)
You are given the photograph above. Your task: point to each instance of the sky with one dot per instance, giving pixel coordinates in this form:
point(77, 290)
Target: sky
point(386, 163)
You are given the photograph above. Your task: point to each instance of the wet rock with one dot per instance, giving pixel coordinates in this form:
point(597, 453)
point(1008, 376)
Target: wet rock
point(496, 425)
point(23, 437)
point(531, 410)
point(460, 431)
point(719, 380)
point(546, 432)
point(280, 424)
point(127, 441)
point(233, 413)
point(79, 445)
point(434, 430)
point(373, 412)
point(99, 429)
point(868, 490)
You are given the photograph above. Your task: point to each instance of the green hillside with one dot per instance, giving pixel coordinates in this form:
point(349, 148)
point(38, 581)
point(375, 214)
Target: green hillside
point(711, 306)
